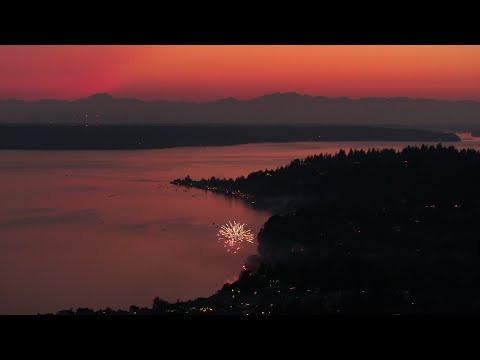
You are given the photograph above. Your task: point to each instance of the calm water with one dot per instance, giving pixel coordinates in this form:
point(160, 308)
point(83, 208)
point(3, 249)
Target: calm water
point(105, 228)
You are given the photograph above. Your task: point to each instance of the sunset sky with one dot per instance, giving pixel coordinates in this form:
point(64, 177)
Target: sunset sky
point(201, 73)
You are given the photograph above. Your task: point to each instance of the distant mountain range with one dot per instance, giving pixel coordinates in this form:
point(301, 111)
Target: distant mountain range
point(272, 109)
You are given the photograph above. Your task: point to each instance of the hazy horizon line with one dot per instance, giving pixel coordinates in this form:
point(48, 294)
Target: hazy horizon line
point(231, 98)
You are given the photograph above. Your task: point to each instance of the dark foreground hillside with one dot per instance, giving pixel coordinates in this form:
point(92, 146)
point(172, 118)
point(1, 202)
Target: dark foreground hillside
point(376, 232)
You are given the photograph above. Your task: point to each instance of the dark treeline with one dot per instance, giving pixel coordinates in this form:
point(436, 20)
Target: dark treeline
point(359, 178)
point(361, 232)
point(376, 231)
point(165, 136)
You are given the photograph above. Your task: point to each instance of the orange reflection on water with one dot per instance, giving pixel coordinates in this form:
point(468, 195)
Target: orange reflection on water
point(106, 229)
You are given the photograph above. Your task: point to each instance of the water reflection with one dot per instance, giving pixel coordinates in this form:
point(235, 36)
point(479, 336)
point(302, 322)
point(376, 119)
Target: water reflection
point(106, 229)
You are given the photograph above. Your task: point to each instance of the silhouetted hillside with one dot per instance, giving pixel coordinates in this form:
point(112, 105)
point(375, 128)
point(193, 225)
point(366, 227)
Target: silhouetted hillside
point(150, 137)
point(279, 108)
point(367, 232)
point(385, 232)
point(360, 178)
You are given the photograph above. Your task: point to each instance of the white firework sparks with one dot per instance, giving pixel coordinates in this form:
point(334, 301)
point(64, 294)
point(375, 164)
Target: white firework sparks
point(233, 235)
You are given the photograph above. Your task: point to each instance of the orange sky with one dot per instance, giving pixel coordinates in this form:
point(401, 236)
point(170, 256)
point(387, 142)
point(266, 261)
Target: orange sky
point(209, 72)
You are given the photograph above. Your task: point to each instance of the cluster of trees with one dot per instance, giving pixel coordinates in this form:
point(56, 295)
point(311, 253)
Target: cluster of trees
point(377, 231)
point(159, 306)
point(415, 174)
point(390, 231)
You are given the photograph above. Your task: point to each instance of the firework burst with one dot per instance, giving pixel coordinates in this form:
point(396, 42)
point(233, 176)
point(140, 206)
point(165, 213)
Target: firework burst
point(233, 235)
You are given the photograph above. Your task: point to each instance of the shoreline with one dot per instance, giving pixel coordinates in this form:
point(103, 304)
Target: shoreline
point(17, 137)
point(359, 244)
point(26, 148)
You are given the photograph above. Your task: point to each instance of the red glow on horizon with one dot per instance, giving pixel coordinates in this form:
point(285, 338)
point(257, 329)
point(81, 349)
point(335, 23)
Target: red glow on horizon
point(202, 73)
